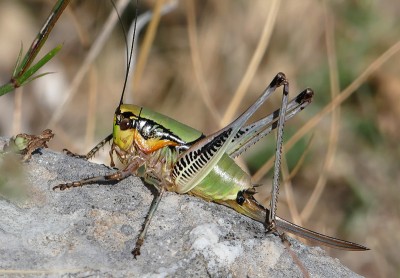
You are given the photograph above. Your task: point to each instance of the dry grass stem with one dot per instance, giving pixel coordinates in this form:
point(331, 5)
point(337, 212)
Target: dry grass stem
point(197, 65)
point(302, 158)
point(17, 113)
point(147, 42)
point(334, 130)
point(254, 63)
point(287, 186)
point(89, 59)
point(80, 30)
point(91, 111)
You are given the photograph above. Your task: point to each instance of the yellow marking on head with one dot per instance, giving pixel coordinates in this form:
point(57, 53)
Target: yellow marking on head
point(122, 138)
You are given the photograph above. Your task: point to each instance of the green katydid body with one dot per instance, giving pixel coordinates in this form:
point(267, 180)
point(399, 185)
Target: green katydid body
point(175, 157)
point(160, 142)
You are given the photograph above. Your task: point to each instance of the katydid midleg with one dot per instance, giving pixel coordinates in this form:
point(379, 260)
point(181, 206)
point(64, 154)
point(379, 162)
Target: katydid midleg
point(175, 157)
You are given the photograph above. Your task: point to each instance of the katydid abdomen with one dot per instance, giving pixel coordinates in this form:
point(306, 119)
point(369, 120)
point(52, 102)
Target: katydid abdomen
point(223, 182)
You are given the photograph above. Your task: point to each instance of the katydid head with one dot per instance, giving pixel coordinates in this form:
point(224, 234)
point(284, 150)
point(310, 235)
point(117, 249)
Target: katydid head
point(124, 126)
point(140, 129)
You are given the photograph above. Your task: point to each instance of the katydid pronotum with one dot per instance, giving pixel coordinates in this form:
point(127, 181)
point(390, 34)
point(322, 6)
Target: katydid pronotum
point(174, 157)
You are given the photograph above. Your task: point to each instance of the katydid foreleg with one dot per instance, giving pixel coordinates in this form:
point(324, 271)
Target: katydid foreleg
point(93, 151)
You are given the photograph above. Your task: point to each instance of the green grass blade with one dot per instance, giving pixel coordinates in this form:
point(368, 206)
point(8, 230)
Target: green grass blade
point(42, 36)
point(27, 76)
point(6, 88)
point(17, 63)
point(23, 71)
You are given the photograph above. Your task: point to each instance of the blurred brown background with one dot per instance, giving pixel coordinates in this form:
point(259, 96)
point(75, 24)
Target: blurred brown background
point(353, 154)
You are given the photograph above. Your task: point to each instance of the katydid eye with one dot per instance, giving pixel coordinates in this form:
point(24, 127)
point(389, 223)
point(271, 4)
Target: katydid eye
point(125, 124)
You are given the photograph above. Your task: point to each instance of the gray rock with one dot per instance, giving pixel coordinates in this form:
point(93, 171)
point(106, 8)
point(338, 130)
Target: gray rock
point(91, 231)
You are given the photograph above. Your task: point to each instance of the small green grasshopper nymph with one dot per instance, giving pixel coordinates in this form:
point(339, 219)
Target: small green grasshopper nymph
point(178, 158)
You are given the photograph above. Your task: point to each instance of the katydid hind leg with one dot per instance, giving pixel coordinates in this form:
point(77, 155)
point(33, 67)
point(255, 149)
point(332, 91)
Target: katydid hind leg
point(251, 208)
point(252, 133)
point(271, 220)
point(197, 162)
point(146, 224)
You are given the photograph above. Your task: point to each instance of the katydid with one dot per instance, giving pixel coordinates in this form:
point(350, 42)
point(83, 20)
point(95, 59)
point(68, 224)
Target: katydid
point(175, 157)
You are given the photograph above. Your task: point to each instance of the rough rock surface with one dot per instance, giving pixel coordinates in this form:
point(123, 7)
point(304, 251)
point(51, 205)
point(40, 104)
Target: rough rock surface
point(92, 231)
